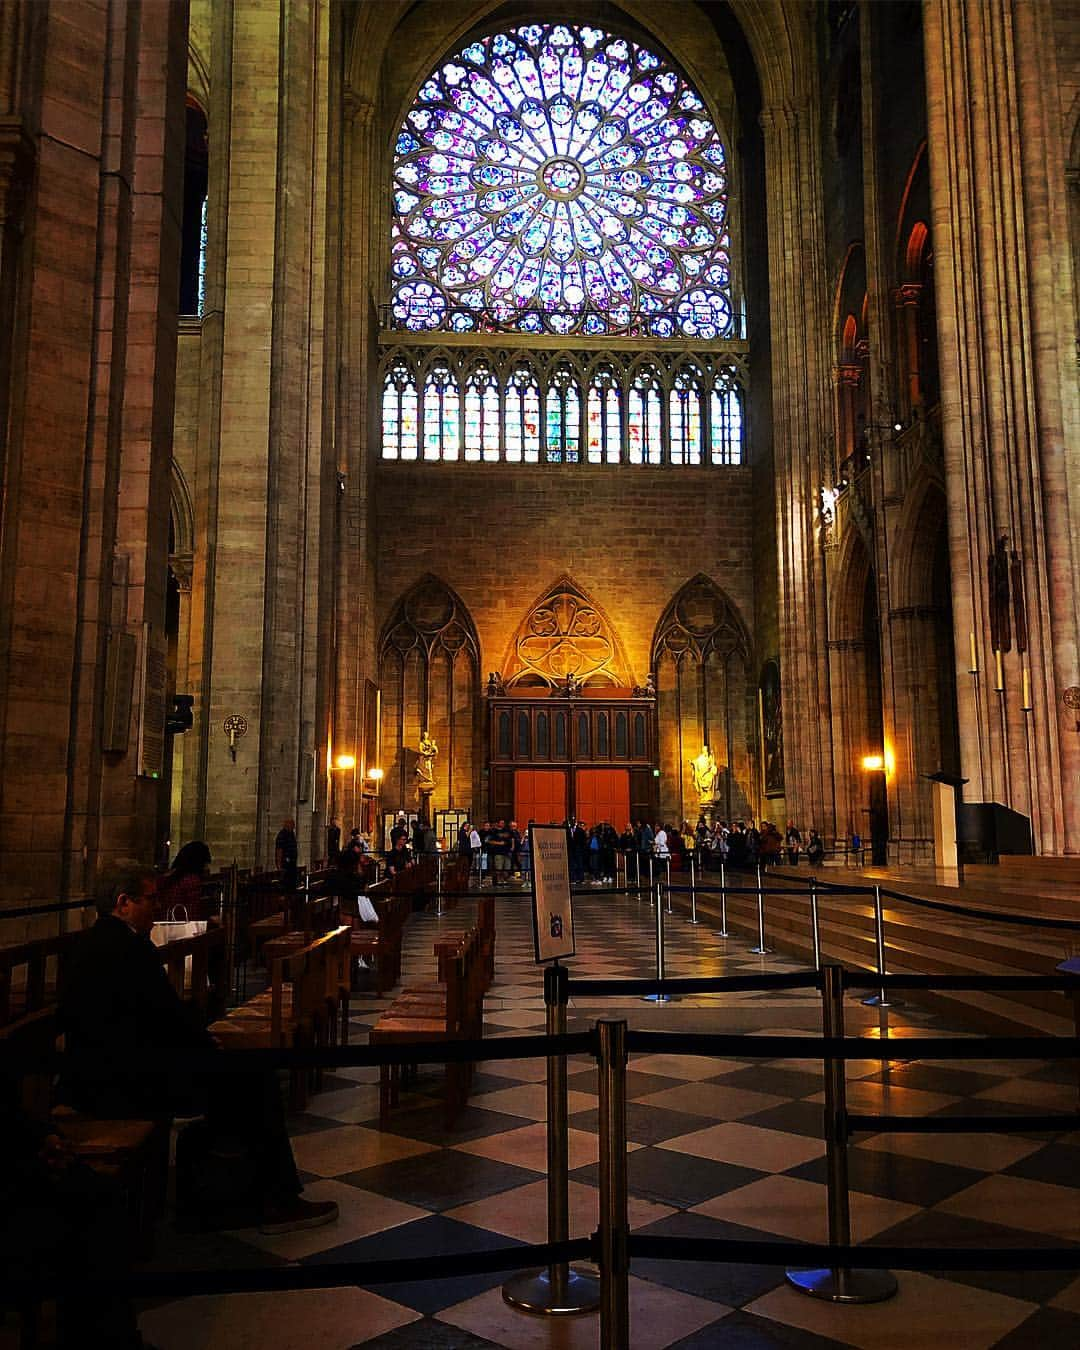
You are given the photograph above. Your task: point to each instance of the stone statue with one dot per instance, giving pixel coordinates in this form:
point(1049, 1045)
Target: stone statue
point(495, 686)
point(425, 764)
point(705, 772)
point(648, 689)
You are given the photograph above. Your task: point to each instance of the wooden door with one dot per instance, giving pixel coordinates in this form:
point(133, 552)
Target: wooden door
point(539, 795)
point(602, 794)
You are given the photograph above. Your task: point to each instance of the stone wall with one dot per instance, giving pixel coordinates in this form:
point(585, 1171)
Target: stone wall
point(501, 534)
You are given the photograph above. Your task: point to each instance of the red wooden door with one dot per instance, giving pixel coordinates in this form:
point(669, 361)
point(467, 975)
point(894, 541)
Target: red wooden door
point(539, 795)
point(602, 794)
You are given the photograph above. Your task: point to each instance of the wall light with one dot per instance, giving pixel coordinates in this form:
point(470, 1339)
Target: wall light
point(873, 762)
point(344, 761)
point(376, 774)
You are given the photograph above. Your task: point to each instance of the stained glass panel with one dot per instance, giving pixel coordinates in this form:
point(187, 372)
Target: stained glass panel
point(725, 423)
point(557, 178)
point(644, 422)
point(684, 414)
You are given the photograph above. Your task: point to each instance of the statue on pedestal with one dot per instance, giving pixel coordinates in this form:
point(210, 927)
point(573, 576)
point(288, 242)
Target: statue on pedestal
point(425, 762)
point(706, 772)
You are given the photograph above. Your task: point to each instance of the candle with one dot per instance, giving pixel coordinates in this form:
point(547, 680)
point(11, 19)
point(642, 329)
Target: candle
point(1027, 690)
point(973, 668)
point(1000, 686)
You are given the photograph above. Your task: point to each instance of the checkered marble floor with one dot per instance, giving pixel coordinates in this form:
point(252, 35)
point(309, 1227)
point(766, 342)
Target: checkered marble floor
point(722, 1148)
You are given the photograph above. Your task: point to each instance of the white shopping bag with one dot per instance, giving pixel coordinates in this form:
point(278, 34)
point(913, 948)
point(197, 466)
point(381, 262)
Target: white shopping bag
point(172, 928)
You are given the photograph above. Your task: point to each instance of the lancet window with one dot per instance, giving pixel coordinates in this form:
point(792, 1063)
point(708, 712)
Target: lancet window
point(553, 407)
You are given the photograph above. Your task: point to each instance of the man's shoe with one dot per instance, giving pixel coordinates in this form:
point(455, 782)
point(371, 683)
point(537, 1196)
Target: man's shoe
point(298, 1215)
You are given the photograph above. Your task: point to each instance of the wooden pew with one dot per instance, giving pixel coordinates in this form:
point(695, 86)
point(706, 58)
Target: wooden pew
point(454, 1013)
point(306, 1004)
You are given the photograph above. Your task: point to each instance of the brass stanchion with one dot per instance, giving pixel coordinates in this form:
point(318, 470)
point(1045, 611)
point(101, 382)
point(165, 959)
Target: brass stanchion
point(667, 862)
point(761, 949)
point(659, 997)
point(722, 930)
point(614, 1222)
point(816, 931)
point(839, 1284)
point(560, 1290)
point(652, 884)
point(693, 893)
point(439, 911)
point(881, 999)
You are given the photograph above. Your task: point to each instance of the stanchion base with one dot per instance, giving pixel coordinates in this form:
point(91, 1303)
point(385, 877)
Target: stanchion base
point(761, 951)
point(876, 1001)
point(844, 1286)
point(721, 932)
point(534, 1291)
point(660, 998)
point(694, 923)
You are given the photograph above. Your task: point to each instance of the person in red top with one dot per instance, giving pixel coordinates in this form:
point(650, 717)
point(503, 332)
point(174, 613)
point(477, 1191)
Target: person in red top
point(181, 886)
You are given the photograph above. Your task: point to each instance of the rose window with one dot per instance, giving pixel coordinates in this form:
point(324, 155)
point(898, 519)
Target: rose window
point(559, 179)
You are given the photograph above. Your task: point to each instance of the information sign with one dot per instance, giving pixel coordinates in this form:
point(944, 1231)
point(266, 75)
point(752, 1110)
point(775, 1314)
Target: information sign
point(553, 918)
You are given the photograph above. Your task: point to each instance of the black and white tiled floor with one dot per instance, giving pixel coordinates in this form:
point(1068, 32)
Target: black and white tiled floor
point(725, 1148)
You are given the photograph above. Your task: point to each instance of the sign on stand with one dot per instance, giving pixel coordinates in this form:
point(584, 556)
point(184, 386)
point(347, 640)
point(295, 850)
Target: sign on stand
point(553, 917)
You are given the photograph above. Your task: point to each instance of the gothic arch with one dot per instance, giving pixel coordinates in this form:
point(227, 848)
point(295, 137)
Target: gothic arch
point(565, 632)
point(848, 588)
point(181, 516)
point(429, 663)
point(701, 660)
point(913, 558)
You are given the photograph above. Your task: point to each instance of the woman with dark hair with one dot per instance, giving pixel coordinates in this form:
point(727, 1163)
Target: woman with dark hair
point(181, 886)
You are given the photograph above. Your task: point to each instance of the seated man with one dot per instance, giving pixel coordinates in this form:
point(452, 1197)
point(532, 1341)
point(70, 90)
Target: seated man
point(117, 1002)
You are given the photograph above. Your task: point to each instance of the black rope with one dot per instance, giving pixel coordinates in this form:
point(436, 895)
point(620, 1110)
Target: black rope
point(1047, 1124)
point(705, 984)
point(979, 983)
point(238, 1060)
point(830, 1047)
point(816, 1255)
point(277, 1279)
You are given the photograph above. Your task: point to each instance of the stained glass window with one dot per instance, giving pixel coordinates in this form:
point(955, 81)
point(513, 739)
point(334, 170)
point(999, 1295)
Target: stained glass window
point(644, 420)
point(602, 412)
point(560, 179)
point(523, 417)
point(442, 428)
point(562, 411)
point(481, 414)
point(684, 413)
point(725, 422)
point(399, 413)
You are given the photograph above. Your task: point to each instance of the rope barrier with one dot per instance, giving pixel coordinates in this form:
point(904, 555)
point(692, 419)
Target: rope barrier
point(735, 1046)
point(646, 1246)
point(704, 984)
point(886, 1124)
point(979, 983)
point(278, 1279)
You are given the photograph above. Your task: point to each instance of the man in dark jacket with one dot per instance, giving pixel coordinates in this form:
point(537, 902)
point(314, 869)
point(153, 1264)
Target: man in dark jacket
point(117, 1004)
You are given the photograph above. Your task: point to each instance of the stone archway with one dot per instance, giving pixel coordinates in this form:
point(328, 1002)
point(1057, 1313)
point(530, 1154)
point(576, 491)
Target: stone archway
point(701, 660)
point(429, 663)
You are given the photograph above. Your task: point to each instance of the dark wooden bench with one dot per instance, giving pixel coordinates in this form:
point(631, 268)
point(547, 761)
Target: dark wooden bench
point(449, 1011)
point(305, 1004)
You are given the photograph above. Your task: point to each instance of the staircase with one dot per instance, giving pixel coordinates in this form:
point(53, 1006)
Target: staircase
point(918, 941)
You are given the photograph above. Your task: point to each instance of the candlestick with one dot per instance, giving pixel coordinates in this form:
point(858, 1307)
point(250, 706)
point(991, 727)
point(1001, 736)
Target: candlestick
point(1000, 686)
point(1026, 704)
point(973, 666)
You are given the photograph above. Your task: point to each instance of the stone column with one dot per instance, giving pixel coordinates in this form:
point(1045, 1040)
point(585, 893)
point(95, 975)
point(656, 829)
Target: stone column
point(261, 481)
point(355, 638)
point(801, 416)
point(1009, 398)
point(92, 352)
